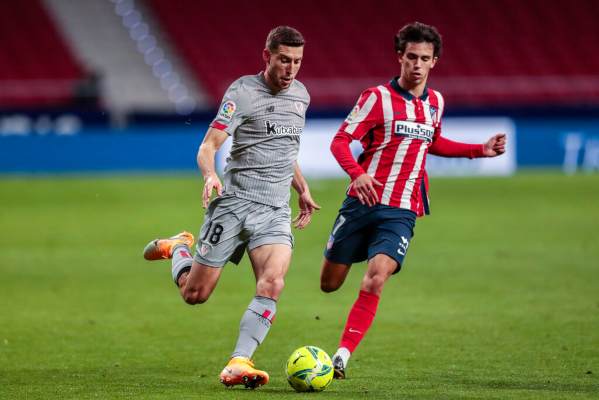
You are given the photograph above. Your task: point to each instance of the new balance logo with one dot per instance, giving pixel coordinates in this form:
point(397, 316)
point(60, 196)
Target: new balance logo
point(283, 130)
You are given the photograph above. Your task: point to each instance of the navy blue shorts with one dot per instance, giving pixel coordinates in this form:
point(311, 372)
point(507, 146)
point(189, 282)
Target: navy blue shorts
point(361, 232)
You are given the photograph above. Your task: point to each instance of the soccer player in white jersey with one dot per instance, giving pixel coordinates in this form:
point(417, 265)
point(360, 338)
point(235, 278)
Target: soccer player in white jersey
point(265, 116)
point(398, 123)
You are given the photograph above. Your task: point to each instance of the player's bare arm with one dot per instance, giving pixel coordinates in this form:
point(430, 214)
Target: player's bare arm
point(307, 205)
point(213, 140)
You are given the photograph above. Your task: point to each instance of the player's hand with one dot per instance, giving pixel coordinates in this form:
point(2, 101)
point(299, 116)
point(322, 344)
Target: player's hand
point(211, 182)
point(495, 146)
point(364, 185)
point(307, 207)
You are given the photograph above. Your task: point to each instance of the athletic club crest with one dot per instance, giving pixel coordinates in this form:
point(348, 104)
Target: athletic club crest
point(204, 249)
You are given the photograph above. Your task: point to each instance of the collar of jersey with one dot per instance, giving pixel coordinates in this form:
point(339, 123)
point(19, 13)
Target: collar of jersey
point(404, 93)
point(265, 85)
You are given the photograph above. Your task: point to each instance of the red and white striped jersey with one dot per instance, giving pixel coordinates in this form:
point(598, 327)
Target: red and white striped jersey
point(396, 130)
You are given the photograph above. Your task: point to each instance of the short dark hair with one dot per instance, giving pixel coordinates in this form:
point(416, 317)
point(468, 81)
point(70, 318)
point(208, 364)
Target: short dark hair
point(284, 35)
point(417, 32)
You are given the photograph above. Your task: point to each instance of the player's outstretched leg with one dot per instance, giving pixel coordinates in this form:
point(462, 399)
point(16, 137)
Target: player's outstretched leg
point(359, 320)
point(270, 264)
point(161, 249)
point(253, 328)
point(176, 248)
point(362, 313)
point(195, 281)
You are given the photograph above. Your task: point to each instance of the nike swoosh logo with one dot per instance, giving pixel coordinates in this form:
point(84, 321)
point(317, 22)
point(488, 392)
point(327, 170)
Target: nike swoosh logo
point(352, 330)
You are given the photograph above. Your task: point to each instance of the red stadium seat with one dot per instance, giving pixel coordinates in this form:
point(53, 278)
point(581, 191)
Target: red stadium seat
point(502, 52)
point(36, 68)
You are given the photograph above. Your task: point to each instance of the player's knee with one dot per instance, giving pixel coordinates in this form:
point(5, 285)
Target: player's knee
point(332, 275)
point(192, 297)
point(374, 283)
point(328, 286)
point(270, 287)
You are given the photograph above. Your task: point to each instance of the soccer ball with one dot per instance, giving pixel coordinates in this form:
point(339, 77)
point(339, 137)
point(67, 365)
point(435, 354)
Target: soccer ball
point(309, 369)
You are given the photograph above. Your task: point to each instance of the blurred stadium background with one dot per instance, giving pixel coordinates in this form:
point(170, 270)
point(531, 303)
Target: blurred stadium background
point(103, 104)
point(94, 85)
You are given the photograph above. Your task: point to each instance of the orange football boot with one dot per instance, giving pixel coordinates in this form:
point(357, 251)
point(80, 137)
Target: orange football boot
point(159, 249)
point(241, 371)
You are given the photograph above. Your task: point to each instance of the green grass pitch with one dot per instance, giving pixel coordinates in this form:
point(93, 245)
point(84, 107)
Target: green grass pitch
point(499, 297)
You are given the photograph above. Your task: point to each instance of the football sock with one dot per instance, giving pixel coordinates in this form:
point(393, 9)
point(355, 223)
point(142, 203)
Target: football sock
point(359, 320)
point(254, 326)
point(182, 261)
point(344, 354)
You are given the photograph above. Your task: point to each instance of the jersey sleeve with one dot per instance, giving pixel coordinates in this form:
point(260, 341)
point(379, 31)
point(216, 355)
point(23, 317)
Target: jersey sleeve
point(233, 110)
point(448, 148)
point(363, 116)
point(342, 153)
point(439, 103)
point(437, 133)
point(443, 147)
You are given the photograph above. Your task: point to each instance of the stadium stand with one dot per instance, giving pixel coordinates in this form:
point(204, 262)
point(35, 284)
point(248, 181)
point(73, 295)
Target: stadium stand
point(36, 68)
point(119, 41)
point(501, 52)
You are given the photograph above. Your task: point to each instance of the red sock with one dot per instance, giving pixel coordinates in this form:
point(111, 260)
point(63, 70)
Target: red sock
point(359, 320)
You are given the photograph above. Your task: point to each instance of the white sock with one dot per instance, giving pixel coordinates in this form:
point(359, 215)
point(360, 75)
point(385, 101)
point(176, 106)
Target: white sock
point(344, 354)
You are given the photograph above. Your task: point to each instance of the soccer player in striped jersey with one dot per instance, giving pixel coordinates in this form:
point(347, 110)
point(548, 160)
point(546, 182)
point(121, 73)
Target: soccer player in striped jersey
point(398, 124)
point(265, 116)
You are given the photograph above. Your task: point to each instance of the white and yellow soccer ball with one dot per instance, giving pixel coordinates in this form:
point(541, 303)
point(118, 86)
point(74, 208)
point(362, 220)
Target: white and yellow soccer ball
point(309, 369)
